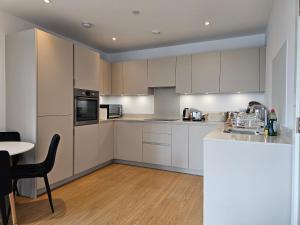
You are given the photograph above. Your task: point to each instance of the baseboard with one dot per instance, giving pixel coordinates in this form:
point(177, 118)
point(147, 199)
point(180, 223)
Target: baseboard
point(159, 167)
point(75, 177)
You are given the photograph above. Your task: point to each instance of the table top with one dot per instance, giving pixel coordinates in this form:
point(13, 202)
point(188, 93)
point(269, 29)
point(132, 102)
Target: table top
point(15, 148)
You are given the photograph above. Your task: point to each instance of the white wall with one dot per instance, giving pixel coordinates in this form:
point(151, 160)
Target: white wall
point(281, 28)
point(205, 103)
point(8, 24)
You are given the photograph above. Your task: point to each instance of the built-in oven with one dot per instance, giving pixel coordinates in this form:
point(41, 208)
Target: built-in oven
point(86, 107)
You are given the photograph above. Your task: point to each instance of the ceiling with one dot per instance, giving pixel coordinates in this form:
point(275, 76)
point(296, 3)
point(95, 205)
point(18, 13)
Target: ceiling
point(180, 21)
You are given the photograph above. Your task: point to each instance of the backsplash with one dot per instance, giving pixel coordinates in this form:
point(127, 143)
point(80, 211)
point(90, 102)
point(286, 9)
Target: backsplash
point(205, 103)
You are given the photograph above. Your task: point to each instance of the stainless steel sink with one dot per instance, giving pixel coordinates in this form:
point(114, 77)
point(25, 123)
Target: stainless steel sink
point(242, 131)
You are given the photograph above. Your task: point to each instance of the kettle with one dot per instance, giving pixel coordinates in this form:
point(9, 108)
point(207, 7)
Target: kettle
point(186, 114)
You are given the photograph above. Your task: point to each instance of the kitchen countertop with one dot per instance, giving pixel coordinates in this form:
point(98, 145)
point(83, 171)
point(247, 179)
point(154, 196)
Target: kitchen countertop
point(219, 135)
point(146, 120)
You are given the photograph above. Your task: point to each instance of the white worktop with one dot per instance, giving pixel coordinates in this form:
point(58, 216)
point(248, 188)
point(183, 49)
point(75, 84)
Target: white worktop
point(219, 135)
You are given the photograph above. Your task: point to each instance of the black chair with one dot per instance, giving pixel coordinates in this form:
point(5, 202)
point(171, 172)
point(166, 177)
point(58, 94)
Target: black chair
point(12, 136)
point(6, 187)
point(40, 169)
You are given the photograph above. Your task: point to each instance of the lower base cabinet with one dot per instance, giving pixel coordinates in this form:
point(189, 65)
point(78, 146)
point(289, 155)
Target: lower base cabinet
point(86, 148)
point(180, 146)
point(47, 127)
point(129, 141)
point(196, 148)
point(157, 154)
point(106, 141)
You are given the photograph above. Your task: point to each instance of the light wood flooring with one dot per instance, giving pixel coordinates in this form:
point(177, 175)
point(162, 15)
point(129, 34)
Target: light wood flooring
point(120, 195)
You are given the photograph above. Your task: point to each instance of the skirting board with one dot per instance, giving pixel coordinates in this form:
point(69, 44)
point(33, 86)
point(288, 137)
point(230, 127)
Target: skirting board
point(75, 177)
point(125, 162)
point(159, 167)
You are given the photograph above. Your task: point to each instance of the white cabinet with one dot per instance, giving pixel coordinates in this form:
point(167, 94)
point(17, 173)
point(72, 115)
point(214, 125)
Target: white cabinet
point(86, 148)
point(184, 74)
point(105, 77)
point(206, 72)
point(86, 68)
point(240, 70)
point(157, 144)
point(106, 141)
point(55, 75)
point(262, 69)
point(180, 146)
point(196, 135)
point(117, 87)
point(161, 72)
point(129, 141)
point(47, 127)
point(135, 76)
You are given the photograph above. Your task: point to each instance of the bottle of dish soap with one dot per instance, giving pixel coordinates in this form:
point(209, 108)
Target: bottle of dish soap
point(272, 123)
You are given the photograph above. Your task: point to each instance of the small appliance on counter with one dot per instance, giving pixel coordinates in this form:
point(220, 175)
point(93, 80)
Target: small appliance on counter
point(215, 117)
point(186, 114)
point(197, 115)
point(111, 111)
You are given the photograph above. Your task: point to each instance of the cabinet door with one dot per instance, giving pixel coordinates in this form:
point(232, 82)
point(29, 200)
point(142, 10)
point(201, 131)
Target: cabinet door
point(240, 70)
point(129, 141)
point(206, 72)
point(135, 77)
point(55, 75)
point(106, 141)
point(117, 79)
point(196, 135)
point(161, 72)
point(86, 149)
point(86, 68)
point(180, 146)
point(47, 126)
point(184, 74)
point(262, 69)
point(157, 154)
point(105, 77)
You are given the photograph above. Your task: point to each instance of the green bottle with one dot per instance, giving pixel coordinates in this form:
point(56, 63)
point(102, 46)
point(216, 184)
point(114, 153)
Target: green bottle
point(272, 123)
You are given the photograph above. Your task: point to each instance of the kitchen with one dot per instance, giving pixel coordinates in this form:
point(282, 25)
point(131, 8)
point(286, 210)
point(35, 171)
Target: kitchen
point(67, 84)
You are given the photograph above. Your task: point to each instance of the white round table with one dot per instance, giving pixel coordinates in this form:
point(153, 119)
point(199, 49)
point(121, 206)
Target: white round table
point(15, 148)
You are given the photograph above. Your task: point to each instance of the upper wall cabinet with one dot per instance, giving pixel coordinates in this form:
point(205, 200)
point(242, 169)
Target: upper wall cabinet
point(184, 74)
point(135, 76)
point(86, 68)
point(161, 72)
point(105, 77)
point(117, 79)
point(262, 69)
point(55, 75)
point(240, 70)
point(206, 72)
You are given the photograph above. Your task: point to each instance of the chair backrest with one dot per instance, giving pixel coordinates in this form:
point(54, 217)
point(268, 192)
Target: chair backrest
point(5, 174)
point(50, 159)
point(10, 136)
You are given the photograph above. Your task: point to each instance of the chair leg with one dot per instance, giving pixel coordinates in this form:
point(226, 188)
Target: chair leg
point(3, 211)
point(13, 208)
point(15, 187)
point(49, 192)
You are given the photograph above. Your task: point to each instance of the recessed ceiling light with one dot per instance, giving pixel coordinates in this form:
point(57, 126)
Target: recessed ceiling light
point(47, 1)
point(156, 31)
point(114, 38)
point(86, 24)
point(135, 12)
point(207, 23)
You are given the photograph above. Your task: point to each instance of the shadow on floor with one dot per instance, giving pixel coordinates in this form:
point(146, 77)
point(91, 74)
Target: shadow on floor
point(40, 209)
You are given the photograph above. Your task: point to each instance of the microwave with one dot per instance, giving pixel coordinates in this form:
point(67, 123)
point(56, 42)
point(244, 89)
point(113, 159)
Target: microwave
point(112, 110)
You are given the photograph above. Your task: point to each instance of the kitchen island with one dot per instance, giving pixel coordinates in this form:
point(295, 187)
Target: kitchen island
point(247, 179)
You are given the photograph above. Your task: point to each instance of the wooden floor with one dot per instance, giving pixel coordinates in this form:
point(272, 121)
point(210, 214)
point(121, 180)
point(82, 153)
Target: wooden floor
point(120, 195)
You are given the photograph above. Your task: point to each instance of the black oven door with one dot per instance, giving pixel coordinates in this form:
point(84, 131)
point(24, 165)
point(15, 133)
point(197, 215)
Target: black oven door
point(86, 110)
